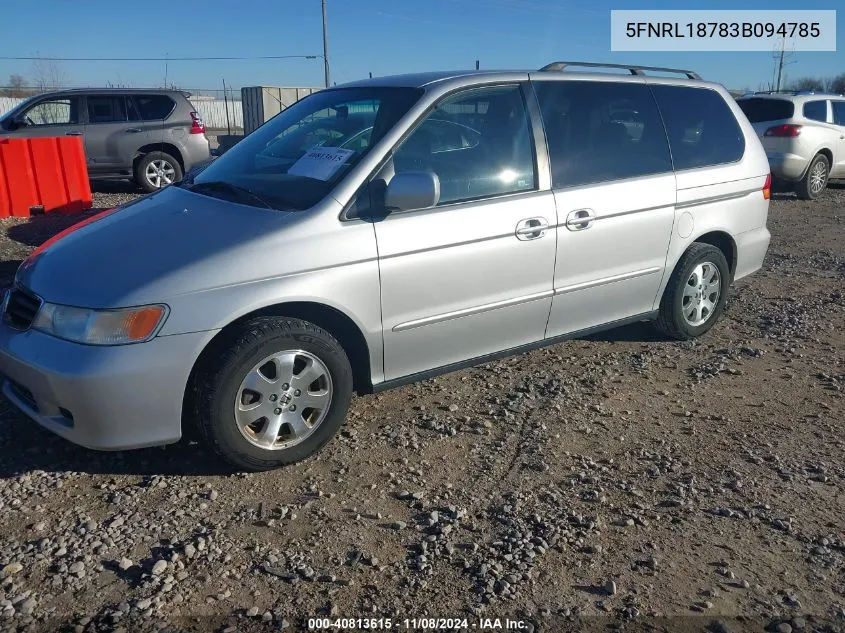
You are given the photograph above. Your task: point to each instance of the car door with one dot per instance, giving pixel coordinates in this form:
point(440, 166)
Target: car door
point(51, 116)
point(837, 169)
point(473, 275)
point(615, 194)
point(111, 139)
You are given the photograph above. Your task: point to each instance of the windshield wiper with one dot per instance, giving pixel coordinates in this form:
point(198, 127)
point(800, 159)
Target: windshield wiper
point(222, 185)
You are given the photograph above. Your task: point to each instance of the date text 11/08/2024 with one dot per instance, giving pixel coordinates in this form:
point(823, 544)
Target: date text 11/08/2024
point(418, 624)
point(722, 29)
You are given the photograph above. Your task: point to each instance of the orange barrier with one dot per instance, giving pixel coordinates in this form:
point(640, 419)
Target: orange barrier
point(43, 173)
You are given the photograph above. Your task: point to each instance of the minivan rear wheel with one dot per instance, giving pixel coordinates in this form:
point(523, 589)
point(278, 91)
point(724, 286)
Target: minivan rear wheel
point(276, 392)
point(156, 170)
point(814, 181)
point(696, 293)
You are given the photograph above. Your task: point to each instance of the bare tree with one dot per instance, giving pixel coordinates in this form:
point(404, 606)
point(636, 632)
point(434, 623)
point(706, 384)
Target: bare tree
point(17, 87)
point(48, 74)
point(837, 84)
point(808, 83)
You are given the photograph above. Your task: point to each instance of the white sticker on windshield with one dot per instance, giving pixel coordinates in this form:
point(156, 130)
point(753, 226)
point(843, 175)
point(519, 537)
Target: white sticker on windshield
point(320, 163)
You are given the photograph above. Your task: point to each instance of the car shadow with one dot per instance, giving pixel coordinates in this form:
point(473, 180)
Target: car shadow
point(633, 333)
point(25, 448)
point(115, 186)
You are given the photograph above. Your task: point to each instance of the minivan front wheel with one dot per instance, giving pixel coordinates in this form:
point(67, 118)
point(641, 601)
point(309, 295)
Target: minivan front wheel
point(696, 293)
point(156, 170)
point(814, 181)
point(276, 392)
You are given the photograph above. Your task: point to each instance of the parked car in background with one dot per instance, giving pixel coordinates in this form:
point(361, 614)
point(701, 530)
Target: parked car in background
point(150, 136)
point(472, 215)
point(803, 134)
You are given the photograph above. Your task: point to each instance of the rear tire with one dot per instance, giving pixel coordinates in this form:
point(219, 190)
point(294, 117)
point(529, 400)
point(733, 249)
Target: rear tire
point(814, 181)
point(302, 383)
point(695, 296)
point(156, 170)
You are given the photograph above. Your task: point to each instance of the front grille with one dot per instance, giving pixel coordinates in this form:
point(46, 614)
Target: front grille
point(21, 309)
point(24, 394)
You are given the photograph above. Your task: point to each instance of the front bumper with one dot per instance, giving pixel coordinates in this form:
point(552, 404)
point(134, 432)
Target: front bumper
point(105, 398)
point(787, 166)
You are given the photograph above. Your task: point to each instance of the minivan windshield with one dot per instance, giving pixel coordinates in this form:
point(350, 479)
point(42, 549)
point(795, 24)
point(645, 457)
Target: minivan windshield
point(760, 110)
point(297, 157)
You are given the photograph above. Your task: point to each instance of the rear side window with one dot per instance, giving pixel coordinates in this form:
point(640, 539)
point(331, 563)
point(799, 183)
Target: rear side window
point(838, 112)
point(816, 110)
point(108, 109)
point(599, 131)
point(759, 110)
point(701, 126)
point(154, 107)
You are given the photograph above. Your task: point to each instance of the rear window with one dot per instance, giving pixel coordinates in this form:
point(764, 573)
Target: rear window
point(154, 107)
point(702, 128)
point(761, 110)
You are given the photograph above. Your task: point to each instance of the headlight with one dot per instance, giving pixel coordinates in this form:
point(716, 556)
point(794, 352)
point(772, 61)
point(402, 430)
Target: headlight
point(100, 327)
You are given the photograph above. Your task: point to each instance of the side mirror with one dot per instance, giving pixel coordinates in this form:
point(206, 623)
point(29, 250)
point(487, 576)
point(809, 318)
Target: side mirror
point(412, 190)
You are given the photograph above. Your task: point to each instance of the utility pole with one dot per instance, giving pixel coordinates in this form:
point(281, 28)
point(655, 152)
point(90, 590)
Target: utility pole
point(781, 56)
point(325, 45)
point(477, 64)
point(780, 69)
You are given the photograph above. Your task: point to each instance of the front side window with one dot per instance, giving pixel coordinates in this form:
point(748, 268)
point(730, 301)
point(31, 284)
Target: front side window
point(601, 131)
point(295, 159)
point(701, 126)
point(107, 109)
point(838, 112)
point(478, 142)
point(816, 110)
point(54, 112)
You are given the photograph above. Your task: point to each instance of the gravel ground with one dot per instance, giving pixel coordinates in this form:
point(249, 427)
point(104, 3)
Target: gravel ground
point(618, 482)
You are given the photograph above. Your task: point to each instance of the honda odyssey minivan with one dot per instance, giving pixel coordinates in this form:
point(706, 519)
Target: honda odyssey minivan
point(473, 215)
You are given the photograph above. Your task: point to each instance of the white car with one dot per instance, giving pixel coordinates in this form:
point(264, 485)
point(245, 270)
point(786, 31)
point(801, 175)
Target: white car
point(803, 134)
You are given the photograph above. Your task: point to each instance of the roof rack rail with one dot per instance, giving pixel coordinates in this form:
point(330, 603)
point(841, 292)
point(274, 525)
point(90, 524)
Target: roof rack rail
point(634, 70)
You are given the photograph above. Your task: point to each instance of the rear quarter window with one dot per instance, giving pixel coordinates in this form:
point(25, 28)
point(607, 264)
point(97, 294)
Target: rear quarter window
point(815, 110)
point(701, 126)
point(154, 107)
point(759, 110)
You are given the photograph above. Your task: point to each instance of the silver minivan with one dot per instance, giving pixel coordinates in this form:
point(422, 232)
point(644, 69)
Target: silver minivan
point(379, 233)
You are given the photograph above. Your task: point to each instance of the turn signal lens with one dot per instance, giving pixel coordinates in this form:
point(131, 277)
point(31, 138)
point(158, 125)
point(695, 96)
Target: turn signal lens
point(767, 188)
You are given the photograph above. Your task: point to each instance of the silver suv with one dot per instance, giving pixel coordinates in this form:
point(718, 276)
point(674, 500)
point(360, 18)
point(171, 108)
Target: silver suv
point(379, 233)
point(803, 134)
point(151, 136)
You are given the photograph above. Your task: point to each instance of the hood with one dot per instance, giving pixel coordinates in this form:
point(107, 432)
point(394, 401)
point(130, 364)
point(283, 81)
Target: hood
point(166, 244)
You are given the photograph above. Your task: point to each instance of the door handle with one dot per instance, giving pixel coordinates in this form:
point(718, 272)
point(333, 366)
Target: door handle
point(580, 219)
point(531, 229)
point(73, 133)
point(134, 130)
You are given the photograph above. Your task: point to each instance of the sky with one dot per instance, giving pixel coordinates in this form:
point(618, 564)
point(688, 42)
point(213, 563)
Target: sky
point(381, 37)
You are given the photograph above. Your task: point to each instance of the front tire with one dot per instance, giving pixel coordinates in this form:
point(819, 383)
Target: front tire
point(695, 296)
point(156, 170)
point(277, 391)
point(814, 181)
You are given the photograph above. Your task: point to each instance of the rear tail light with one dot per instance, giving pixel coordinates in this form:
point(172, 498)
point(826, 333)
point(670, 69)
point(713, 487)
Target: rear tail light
point(197, 125)
point(783, 130)
point(767, 188)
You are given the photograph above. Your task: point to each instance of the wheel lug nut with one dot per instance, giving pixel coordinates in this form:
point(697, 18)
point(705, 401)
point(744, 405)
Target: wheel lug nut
point(286, 386)
point(277, 411)
point(292, 407)
point(297, 392)
point(273, 397)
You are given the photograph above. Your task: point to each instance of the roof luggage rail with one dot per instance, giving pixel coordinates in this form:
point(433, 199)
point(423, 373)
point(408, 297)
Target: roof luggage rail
point(634, 70)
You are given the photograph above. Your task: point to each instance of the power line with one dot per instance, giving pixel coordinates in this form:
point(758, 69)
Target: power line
point(157, 59)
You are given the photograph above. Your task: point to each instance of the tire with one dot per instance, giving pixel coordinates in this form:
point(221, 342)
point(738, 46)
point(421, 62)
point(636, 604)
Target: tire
point(222, 388)
point(678, 298)
point(814, 181)
point(165, 167)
